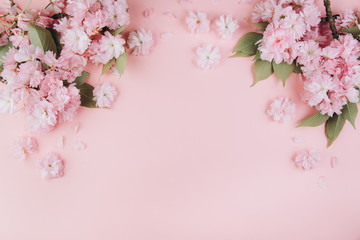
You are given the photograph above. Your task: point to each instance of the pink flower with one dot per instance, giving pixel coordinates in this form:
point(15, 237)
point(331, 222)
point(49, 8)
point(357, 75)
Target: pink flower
point(207, 57)
point(41, 116)
point(282, 109)
point(76, 39)
point(104, 95)
point(140, 42)
point(7, 105)
point(51, 166)
point(307, 160)
point(107, 48)
point(197, 22)
point(226, 26)
point(23, 146)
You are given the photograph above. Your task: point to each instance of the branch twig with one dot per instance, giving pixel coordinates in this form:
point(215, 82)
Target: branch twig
point(330, 19)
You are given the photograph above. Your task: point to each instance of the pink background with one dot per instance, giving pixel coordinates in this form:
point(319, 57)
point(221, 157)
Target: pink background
point(184, 153)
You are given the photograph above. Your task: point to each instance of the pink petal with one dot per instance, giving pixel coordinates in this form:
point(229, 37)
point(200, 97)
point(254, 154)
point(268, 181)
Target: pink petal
point(79, 146)
point(297, 139)
point(148, 12)
point(169, 14)
point(334, 161)
point(322, 182)
point(76, 127)
point(185, 3)
point(166, 35)
point(60, 142)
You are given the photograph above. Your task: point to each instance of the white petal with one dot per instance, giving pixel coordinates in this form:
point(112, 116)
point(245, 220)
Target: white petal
point(169, 14)
point(148, 12)
point(76, 127)
point(79, 146)
point(60, 142)
point(322, 182)
point(185, 3)
point(166, 35)
point(297, 139)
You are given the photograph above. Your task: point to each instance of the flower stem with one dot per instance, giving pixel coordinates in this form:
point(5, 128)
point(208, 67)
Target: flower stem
point(330, 19)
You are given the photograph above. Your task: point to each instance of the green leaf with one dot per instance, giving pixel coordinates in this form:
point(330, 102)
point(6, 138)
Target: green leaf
point(297, 69)
point(87, 96)
point(56, 36)
point(107, 66)
point(248, 43)
point(263, 70)
point(314, 120)
point(283, 70)
point(3, 52)
point(261, 26)
point(355, 31)
point(121, 63)
point(349, 112)
point(240, 54)
point(333, 128)
point(257, 55)
point(118, 31)
point(81, 79)
point(42, 38)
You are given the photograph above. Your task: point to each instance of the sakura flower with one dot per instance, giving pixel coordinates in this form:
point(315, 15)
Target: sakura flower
point(7, 105)
point(207, 57)
point(226, 26)
point(197, 22)
point(76, 39)
point(107, 48)
point(51, 166)
point(140, 42)
point(282, 109)
point(41, 116)
point(307, 159)
point(104, 95)
point(23, 146)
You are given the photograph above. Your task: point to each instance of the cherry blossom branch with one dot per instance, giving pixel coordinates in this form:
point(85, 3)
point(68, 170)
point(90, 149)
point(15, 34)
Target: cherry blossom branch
point(330, 19)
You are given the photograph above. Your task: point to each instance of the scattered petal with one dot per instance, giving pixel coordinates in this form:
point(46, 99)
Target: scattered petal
point(79, 146)
point(148, 13)
point(245, 2)
point(185, 3)
point(298, 139)
point(76, 127)
point(334, 161)
point(166, 35)
point(322, 182)
point(307, 159)
point(169, 14)
point(60, 142)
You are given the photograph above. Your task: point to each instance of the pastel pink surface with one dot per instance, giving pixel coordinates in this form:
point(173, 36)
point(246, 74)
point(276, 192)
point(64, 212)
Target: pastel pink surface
point(184, 153)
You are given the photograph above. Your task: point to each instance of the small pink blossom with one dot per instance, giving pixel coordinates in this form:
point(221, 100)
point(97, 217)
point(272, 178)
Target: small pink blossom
point(104, 95)
point(23, 146)
point(76, 39)
point(207, 57)
point(282, 109)
point(140, 42)
point(51, 166)
point(226, 26)
point(148, 13)
point(307, 159)
point(197, 22)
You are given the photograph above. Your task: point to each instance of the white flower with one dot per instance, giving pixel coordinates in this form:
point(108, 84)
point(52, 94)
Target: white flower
point(197, 22)
point(77, 39)
point(140, 42)
point(226, 26)
point(207, 57)
point(104, 95)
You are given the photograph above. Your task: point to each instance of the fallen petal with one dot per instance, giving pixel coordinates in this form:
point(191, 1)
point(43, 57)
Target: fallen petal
point(148, 12)
point(76, 127)
point(322, 182)
point(185, 3)
point(60, 142)
point(297, 139)
point(166, 35)
point(334, 161)
point(79, 146)
point(169, 14)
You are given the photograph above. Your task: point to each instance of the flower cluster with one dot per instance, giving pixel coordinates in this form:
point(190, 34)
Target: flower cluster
point(289, 22)
point(43, 53)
